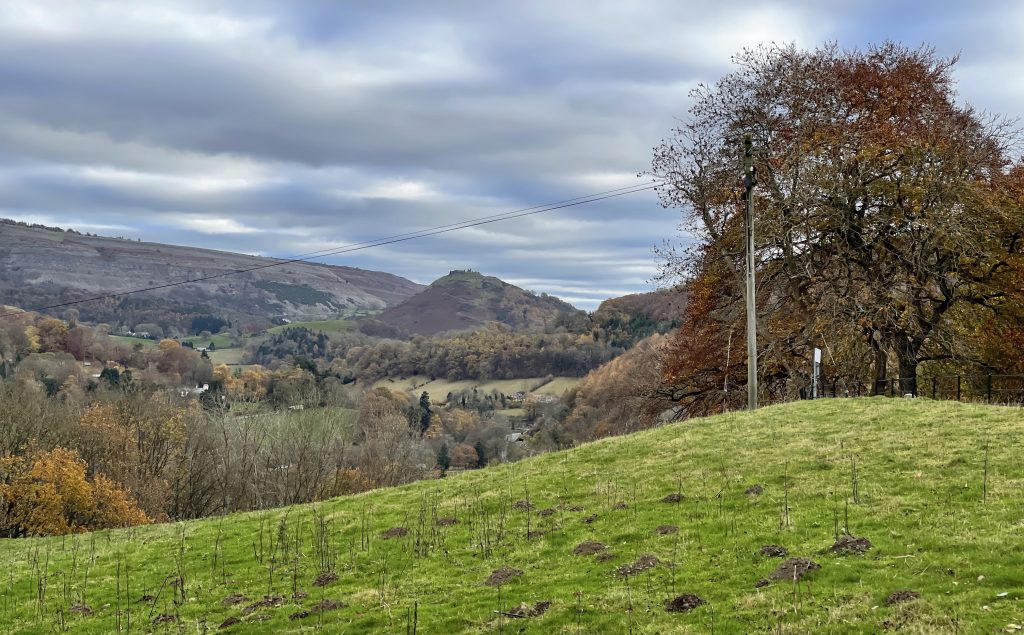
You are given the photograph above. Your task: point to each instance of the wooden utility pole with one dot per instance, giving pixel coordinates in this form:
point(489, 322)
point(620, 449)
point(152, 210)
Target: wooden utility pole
point(749, 182)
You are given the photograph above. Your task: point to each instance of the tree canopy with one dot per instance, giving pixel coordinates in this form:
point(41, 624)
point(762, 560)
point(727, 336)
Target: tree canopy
point(889, 217)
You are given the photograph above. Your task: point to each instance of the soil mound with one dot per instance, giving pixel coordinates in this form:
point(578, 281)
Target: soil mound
point(588, 548)
point(503, 576)
point(674, 497)
point(754, 490)
point(666, 530)
point(683, 603)
point(525, 610)
point(774, 551)
point(325, 578)
point(395, 532)
point(794, 569)
point(643, 563)
point(901, 596)
point(268, 601)
point(850, 545)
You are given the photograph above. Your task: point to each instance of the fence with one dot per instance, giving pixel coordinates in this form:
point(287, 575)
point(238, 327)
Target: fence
point(988, 388)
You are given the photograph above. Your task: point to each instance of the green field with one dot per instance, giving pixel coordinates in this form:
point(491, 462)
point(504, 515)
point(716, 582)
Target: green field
point(229, 356)
point(937, 489)
point(327, 327)
point(219, 340)
point(439, 388)
point(132, 341)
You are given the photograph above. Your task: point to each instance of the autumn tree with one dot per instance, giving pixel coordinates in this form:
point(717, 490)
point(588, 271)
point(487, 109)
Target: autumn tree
point(47, 493)
point(391, 451)
point(883, 204)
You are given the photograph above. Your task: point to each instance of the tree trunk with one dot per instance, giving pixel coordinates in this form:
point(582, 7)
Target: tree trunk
point(881, 364)
point(906, 356)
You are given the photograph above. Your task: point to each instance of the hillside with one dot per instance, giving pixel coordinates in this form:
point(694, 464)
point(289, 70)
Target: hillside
point(935, 488)
point(41, 266)
point(467, 300)
point(663, 305)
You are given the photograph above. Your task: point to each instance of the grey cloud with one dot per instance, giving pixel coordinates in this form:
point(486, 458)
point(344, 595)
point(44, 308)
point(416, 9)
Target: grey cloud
point(321, 123)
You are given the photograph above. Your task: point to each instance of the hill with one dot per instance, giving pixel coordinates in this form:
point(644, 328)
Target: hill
point(663, 305)
point(934, 489)
point(41, 266)
point(464, 300)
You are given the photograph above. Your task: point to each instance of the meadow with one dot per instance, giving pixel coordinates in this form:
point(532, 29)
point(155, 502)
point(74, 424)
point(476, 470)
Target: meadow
point(838, 516)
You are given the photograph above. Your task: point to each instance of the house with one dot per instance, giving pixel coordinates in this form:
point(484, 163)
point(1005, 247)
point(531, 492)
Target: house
point(198, 390)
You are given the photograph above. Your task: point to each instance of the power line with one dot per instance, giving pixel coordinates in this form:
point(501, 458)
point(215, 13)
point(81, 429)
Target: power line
point(388, 240)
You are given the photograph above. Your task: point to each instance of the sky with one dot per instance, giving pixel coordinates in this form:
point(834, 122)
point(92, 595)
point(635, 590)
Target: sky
point(280, 128)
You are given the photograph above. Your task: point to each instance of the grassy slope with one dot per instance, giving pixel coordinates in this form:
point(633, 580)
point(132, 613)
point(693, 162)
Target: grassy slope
point(328, 327)
point(920, 469)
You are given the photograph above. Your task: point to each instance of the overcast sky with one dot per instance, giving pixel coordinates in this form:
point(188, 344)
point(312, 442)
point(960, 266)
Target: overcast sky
point(285, 127)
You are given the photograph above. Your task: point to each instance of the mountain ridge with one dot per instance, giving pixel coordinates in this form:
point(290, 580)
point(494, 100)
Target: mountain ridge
point(40, 266)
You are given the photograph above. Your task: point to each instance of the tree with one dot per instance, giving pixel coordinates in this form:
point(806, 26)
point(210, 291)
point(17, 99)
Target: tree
point(424, 412)
point(464, 456)
point(481, 454)
point(883, 205)
point(443, 461)
point(47, 494)
point(111, 375)
point(390, 451)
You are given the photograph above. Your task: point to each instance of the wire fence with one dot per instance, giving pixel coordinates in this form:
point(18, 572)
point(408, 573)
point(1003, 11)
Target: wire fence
point(978, 388)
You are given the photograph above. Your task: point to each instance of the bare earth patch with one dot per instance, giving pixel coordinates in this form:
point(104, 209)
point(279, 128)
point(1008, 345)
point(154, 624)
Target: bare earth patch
point(268, 602)
point(666, 530)
point(523, 505)
point(850, 545)
point(754, 490)
point(620, 505)
point(674, 497)
point(794, 569)
point(547, 512)
point(590, 519)
point(683, 603)
point(395, 532)
point(774, 551)
point(82, 609)
point(235, 598)
point(605, 556)
point(643, 563)
point(588, 548)
point(447, 522)
point(901, 596)
point(525, 610)
point(576, 508)
point(165, 618)
point(325, 578)
point(502, 576)
point(231, 621)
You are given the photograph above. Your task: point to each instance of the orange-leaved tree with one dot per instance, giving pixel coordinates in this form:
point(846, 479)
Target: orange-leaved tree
point(47, 493)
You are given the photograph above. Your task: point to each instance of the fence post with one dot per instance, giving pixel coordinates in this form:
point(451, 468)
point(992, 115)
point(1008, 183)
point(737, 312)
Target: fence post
point(933, 389)
point(988, 397)
point(892, 387)
point(958, 387)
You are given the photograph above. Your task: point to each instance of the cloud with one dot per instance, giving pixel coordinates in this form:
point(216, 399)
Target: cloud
point(278, 127)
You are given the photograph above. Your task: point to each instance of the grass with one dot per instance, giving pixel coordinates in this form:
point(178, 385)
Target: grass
point(229, 356)
point(909, 475)
point(327, 327)
point(132, 341)
point(220, 340)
